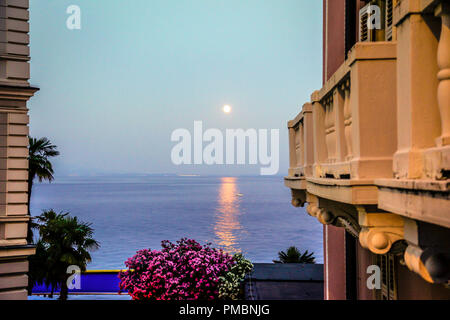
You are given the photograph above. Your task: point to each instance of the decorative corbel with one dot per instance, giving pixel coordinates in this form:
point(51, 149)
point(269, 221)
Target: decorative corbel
point(335, 216)
point(380, 230)
point(313, 209)
point(313, 204)
point(298, 198)
point(324, 216)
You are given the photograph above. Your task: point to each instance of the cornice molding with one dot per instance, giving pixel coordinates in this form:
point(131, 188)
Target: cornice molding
point(17, 92)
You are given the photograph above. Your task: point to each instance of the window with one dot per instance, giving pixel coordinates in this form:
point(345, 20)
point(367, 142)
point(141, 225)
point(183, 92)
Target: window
point(376, 21)
point(364, 34)
point(350, 25)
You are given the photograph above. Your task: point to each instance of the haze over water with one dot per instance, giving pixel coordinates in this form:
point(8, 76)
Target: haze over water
point(251, 214)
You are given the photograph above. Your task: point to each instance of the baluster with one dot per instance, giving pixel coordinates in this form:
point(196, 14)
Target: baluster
point(301, 147)
point(348, 120)
point(328, 128)
point(331, 130)
point(443, 60)
point(292, 151)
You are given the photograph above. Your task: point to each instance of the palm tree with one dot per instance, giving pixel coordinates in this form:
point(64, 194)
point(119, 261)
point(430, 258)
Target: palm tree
point(293, 255)
point(64, 241)
point(40, 150)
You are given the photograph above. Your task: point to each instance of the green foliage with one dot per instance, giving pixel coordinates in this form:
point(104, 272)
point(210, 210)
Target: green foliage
point(293, 255)
point(39, 152)
point(231, 283)
point(63, 241)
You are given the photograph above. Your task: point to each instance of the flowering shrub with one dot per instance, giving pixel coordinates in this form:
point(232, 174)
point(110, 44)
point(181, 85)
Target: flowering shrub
point(182, 271)
point(230, 283)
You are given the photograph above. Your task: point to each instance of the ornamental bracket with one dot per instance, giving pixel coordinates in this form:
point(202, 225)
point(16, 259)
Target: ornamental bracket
point(329, 214)
point(379, 230)
point(298, 197)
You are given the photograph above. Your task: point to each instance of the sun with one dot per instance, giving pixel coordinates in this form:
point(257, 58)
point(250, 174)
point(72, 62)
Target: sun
point(226, 108)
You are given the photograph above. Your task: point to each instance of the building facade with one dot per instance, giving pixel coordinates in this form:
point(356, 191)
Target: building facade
point(15, 91)
point(370, 153)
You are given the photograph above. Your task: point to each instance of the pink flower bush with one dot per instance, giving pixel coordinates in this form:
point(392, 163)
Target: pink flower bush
point(182, 271)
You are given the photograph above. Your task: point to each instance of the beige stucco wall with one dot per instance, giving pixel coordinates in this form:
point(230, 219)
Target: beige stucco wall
point(14, 94)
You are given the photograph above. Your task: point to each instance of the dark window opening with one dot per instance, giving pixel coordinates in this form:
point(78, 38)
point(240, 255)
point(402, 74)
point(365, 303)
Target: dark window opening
point(350, 25)
point(350, 267)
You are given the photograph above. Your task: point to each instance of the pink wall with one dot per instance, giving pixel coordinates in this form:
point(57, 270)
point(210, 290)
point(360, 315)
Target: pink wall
point(334, 50)
point(334, 253)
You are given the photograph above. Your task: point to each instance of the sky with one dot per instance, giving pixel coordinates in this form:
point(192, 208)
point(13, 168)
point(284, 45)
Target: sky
point(112, 92)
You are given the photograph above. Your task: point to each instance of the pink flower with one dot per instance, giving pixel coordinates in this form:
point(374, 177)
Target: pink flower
point(185, 270)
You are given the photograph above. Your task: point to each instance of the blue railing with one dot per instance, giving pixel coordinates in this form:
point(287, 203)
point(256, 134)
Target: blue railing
point(91, 282)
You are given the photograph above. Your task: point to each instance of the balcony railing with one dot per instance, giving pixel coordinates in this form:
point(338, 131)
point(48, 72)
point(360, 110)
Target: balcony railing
point(348, 131)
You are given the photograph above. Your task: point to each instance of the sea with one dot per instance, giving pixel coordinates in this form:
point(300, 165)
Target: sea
point(248, 214)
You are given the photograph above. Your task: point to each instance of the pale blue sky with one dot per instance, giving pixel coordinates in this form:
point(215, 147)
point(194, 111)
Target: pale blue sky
point(113, 92)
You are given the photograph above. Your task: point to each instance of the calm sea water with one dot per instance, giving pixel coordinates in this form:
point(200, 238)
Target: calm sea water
point(248, 214)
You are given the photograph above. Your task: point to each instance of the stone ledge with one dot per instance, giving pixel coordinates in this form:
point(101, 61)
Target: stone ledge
point(424, 200)
point(414, 184)
point(380, 50)
point(347, 191)
point(9, 252)
point(341, 182)
point(12, 218)
point(14, 295)
point(298, 183)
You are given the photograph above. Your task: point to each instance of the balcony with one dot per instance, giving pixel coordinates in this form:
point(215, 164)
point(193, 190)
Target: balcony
point(419, 188)
point(343, 140)
point(371, 151)
point(345, 137)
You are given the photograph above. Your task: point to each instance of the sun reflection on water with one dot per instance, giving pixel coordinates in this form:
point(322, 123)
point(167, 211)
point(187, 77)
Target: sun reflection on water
point(227, 224)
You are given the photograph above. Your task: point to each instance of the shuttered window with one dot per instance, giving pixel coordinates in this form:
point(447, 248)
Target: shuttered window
point(364, 34)
point(389, 19)
point(386, 32)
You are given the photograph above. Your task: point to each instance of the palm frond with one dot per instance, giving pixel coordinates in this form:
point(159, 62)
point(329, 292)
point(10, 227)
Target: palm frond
point(64, 241)
point(293, 255)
